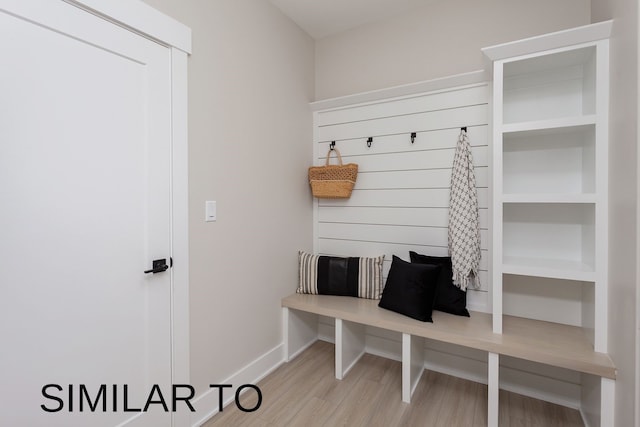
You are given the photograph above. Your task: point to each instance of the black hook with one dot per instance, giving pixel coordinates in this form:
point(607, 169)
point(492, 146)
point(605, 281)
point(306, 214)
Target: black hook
point(463, 128)
point(369, 141)
point(413, 137)
point(332, 146)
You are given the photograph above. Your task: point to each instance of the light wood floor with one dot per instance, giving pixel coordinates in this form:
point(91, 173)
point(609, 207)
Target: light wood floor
point(305, 393)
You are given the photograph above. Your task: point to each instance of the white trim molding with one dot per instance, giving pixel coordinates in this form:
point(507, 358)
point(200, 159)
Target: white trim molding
point(444, 83)
point(142, 18)
point(180, 371)
point(208, 402)
point(585, 34)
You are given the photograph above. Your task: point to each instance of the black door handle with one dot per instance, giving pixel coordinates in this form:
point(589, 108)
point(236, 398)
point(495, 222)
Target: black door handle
point(159, 265)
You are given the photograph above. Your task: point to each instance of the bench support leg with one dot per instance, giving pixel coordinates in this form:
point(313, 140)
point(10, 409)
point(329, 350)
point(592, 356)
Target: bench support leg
point(494, 389)
point(607, 401)
point(412, 364)
point(350, 342)
point(300, 330)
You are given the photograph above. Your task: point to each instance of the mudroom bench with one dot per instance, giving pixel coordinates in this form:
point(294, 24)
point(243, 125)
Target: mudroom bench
point(543, 342)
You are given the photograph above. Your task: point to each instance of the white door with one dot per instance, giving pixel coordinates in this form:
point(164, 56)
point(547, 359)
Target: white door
point(84, 210)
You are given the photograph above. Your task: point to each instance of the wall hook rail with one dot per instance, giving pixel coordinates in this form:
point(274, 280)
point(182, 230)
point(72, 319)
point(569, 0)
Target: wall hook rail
point(413, 137)
point(369, 141)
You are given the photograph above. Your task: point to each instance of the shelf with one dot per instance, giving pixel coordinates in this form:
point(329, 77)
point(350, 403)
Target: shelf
point(549, 299)
point(558, 63)
point(550, 157)
point(549, 198)
point(550, 170)
point(550, 268)
point(542, 126)
point(554, 344)
point(564, 231)
point(550, 86)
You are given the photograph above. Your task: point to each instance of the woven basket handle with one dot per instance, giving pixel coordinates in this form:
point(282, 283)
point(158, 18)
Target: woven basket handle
point(337, 154)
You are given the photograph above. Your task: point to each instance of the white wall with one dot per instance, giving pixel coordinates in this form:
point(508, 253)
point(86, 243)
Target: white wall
point(440, 39)
point(623, 199)
point(251, 78)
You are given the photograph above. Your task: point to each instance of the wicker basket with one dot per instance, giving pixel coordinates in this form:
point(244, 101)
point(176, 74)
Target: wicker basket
point(333, 181)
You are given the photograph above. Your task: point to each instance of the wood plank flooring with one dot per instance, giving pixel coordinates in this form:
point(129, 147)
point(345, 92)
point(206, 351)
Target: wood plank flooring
point(304, 392)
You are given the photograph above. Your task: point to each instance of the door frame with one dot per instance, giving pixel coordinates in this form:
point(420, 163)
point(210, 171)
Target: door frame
point(142, 19)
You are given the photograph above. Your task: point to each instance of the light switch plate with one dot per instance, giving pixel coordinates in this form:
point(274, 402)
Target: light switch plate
point(210, 211)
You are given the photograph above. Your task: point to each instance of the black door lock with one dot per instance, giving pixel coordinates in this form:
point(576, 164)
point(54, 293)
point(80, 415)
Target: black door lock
point(159, 265)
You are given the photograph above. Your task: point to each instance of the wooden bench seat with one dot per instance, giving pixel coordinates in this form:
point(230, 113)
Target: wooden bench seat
point(543, 342)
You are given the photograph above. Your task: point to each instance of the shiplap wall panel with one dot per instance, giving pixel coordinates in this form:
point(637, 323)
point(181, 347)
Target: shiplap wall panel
point(401, 199)
point(419, 122)
point(342, 247)
point(383, 233)
point(426, 140)
point(425, 217)
point(478, 300)
point(345, 247)
point(373, 233)
point(433, 178)
point(413, 160)
point(436, 101)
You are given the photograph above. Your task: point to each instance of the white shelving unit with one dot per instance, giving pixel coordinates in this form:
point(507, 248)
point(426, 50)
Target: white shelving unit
point(549, 187)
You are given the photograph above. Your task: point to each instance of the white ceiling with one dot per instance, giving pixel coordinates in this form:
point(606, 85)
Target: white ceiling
point(322, 18)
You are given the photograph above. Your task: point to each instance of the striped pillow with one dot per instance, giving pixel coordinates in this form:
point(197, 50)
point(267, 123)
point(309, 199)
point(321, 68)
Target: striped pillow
point(326, 275)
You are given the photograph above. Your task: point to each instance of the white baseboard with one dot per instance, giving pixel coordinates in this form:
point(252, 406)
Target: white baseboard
point(584, 417)
point(297, 353)
point(384, 347)
point(326, 331)
point(348, 368)
point(206, 405)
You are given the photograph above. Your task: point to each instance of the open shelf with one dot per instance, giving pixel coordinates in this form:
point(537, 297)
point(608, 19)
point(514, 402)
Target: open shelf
point(537, 232)
point(550, 268)
point(550, 86)
point(558, 300)
point(550, 161)
point(555, 344)
point(549, 198)
point(550, 126)
point(555, 160)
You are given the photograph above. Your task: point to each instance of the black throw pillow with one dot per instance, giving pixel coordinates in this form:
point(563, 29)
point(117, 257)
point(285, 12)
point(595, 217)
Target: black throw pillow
point(449, 298)
point(410, 289)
